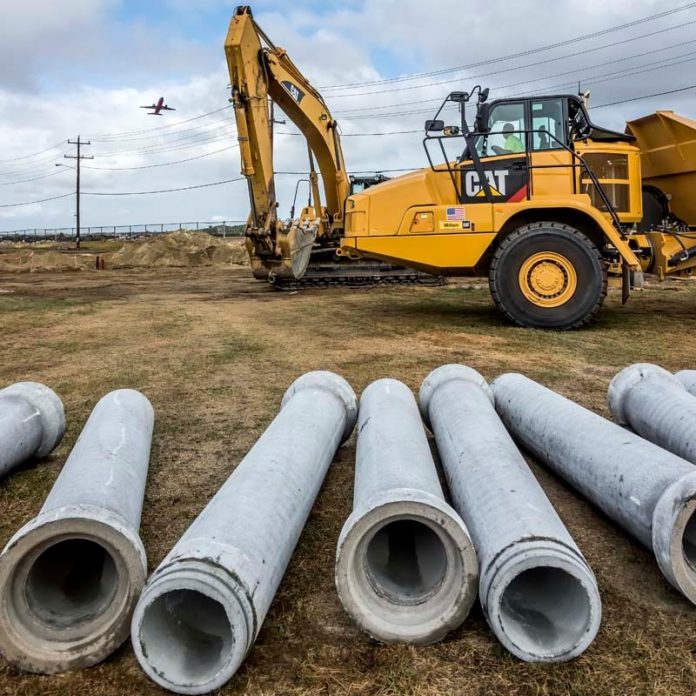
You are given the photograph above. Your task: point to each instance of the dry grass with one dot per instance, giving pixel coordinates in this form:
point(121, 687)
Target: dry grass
point(214, 351)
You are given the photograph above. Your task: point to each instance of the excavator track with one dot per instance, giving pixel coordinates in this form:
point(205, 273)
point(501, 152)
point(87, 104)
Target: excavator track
point(356, 274)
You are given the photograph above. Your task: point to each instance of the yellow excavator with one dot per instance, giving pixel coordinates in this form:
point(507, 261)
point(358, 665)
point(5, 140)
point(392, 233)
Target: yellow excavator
point(533, 195)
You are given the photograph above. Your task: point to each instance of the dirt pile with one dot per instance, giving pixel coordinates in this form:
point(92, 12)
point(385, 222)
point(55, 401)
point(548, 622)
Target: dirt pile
point(179, 249)
point(34, 260)
point(176, 250)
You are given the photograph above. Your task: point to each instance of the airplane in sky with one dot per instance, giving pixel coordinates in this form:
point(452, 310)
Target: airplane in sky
point(158, 107)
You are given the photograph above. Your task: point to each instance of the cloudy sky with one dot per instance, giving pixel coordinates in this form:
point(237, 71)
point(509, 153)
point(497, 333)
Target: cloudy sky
point(85, 66)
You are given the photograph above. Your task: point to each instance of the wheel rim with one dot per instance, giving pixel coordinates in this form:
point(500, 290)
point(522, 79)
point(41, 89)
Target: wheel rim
point(548, 279)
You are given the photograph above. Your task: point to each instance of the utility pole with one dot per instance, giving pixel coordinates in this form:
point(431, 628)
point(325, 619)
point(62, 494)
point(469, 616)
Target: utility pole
point(79, 157)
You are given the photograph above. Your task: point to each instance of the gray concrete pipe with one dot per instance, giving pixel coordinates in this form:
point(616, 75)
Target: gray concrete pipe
point(406, 569)
point(648, 491)
point(657, 406)
point(203, 607)
point(70, 578)
point(537, 592)
point(32, 423)
point(688, 379)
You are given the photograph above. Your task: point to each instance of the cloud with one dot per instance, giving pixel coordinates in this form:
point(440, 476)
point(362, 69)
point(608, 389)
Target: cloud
point(85, 66)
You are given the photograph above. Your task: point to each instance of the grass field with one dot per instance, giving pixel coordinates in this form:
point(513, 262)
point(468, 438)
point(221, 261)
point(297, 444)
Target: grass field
point(214, 351)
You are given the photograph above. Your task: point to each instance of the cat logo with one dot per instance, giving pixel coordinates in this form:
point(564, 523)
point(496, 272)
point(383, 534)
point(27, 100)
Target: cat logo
point(497, 180)
point(293, 90)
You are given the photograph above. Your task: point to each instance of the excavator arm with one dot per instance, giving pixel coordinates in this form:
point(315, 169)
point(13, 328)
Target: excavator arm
point(261, 72)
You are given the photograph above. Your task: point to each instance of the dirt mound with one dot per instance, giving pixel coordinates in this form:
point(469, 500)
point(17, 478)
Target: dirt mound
point(33, 260)
point(175, 250)
point(179, 249)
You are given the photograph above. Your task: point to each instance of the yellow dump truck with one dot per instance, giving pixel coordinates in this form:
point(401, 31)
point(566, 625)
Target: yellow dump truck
point(532, 194)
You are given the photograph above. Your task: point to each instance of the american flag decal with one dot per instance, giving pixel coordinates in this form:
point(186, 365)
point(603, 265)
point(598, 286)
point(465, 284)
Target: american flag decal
point(455, 214)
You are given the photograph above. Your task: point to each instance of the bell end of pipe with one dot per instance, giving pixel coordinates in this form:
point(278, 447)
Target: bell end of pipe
point(406, 568)
point(49, 405)
point(68, 587)
point(674, 535)
point(542, 601)
point(192, 627)
point(622, 383)
point(444, 374)
point(333, 383)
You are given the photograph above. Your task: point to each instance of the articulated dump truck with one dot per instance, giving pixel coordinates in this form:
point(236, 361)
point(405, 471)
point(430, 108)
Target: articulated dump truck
point(532, 194)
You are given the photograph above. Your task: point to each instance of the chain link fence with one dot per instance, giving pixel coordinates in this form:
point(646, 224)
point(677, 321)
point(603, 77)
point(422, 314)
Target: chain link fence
point(232, 228)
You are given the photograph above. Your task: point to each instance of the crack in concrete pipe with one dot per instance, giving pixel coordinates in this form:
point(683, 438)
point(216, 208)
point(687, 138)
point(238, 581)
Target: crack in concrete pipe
point(406, 569)
point(647, 490)
point(655, 404)
point(203, 607)
point(688, 379)
point(32, 423)
point(537, 592)
point(70, 578)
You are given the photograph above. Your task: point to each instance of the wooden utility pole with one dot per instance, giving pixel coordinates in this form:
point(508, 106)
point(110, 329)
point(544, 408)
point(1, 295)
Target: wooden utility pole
point(79, 157)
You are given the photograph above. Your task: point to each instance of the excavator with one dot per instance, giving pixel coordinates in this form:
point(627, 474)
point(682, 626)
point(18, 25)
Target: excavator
point(533, 195)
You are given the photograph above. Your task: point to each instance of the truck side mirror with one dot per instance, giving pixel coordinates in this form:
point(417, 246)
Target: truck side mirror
point(434, 126)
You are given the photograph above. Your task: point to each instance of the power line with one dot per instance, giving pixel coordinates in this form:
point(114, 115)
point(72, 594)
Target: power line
point(173, 190)
point(528, 65)
point(57, 146)
point(100, 137)
point(42, 200)
point(646, 96)
point(519, 54)
point(36, 178)
point(165, 164)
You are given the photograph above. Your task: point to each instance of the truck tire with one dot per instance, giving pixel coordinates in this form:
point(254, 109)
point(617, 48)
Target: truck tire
point(548, 275)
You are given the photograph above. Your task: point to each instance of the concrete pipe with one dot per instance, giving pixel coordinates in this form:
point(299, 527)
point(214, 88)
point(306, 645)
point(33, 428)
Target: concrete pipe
point(406, 569)
point(688, 379)
point(70, 578)
point(32, 423)
point(648, 491)
point(657, 406)
point(203, 607)
point(537, 592)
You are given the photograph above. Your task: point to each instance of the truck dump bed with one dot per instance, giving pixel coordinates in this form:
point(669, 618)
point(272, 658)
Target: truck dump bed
point(668, 157)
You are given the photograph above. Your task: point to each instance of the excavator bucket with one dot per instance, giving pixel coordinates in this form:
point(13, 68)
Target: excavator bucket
point(293, 249)
point(667, 143)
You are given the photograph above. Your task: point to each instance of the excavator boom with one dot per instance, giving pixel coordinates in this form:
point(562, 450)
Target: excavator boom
point(260, 73)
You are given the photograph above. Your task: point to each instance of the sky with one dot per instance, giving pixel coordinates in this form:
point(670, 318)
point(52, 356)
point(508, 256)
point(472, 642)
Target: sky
point(84, 67)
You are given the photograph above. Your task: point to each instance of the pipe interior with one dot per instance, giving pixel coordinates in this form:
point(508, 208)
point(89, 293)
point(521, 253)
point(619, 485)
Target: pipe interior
point(406, 561)
point(689, 541)
point(186, 637)
point(545, 611)
point(71, 582)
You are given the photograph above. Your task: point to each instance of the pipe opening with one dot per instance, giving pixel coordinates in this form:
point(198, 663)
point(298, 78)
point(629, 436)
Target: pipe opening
point(406, 562)
point(71, 582)
point(186, 637)
point(545, 611)
point(689, 542)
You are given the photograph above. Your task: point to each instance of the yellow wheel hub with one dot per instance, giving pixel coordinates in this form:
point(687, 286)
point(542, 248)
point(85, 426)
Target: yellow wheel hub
point(548, 279)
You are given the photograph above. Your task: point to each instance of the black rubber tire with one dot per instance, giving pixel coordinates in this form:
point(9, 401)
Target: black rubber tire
point(587, 261)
